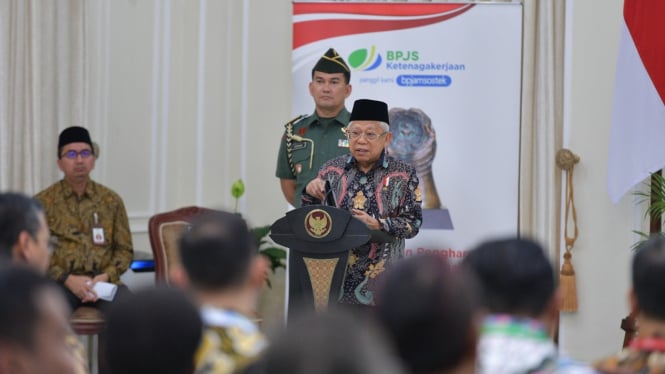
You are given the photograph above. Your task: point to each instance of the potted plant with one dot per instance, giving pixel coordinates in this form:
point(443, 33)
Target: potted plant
point(276, 255)
point(654, 196)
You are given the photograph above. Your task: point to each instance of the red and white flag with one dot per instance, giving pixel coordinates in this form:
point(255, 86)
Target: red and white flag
point(637, 138)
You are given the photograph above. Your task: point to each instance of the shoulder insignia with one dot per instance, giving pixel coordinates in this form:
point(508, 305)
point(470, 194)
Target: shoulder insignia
point(295, 120)
point(289, 143)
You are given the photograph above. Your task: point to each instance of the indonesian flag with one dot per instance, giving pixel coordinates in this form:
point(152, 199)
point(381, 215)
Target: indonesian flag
point(637, 138)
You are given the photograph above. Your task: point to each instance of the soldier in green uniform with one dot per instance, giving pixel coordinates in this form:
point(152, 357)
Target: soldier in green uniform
point(309, 141)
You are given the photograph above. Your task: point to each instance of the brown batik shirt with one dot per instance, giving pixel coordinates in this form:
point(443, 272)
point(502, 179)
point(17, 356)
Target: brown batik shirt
point(71, 220)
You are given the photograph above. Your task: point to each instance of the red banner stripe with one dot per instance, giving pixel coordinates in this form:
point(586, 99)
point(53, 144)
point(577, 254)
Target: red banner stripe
point(311, 31)
point(375, 9)
point(644, 20)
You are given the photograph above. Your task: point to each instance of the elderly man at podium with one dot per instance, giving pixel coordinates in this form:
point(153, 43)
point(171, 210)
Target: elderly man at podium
point(379, 190)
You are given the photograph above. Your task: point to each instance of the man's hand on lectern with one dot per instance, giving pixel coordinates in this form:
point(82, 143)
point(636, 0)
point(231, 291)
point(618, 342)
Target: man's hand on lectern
point(316, 188)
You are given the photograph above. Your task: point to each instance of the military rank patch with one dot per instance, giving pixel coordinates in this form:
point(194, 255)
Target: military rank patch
point(298, 145)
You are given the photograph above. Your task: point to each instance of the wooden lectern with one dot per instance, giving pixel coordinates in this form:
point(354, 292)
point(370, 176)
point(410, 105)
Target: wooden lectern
point(319, 239)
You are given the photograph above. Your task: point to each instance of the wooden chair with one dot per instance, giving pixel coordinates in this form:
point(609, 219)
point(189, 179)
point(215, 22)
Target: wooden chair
point(629, 326)
point(164, 230)
point(90, 322)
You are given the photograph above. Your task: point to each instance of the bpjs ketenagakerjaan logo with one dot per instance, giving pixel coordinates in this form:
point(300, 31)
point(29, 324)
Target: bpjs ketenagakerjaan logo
point(405, 68)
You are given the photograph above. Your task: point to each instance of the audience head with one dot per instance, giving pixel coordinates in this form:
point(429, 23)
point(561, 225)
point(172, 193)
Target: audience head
point(33, 324)
point(515, 275)
point(328, 343)
point(24, 235)
point(649, 278)
point(219, 252)
point(154, 330)
point(429, 308)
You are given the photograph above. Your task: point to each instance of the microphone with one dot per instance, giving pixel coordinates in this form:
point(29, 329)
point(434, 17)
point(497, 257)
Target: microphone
point(329, 195)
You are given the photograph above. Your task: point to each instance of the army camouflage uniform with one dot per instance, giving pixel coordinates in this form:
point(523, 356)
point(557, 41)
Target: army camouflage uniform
point(329, 141)
point(71, 218)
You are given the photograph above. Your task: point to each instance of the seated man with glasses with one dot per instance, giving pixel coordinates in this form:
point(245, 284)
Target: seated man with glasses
point(89, 222)
point(379, 190)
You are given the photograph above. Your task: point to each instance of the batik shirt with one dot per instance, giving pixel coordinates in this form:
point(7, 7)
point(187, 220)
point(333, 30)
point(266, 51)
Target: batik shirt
point(78, 350)
point(645, 355)
point(323, 138)
point(230, 342)
point(71, 220)
point(511, 345)
point(388, 192)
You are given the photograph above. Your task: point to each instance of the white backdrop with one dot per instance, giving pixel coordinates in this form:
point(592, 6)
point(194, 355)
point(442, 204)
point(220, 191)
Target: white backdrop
point(460, 64)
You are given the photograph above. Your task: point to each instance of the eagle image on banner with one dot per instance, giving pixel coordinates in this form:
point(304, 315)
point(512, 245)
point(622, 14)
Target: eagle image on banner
point(638, 114)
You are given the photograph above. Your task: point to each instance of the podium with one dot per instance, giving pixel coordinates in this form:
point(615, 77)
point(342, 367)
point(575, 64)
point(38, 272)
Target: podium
point(319, 239)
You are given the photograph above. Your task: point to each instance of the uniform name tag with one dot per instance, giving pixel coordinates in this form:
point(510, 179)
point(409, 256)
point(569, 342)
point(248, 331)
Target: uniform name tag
point(298, 145)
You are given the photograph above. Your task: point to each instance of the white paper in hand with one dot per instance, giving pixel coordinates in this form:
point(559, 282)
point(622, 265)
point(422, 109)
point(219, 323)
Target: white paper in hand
point(105, 291)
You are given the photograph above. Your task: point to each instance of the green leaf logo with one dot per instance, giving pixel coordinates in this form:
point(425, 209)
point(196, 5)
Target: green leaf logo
point(365, 59)
point(358, 57)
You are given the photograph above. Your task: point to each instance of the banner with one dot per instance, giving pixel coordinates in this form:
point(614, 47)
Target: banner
point(638, 113)
point(450, 74)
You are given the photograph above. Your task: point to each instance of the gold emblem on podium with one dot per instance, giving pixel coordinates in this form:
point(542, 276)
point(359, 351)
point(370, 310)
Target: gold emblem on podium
point(318, 223)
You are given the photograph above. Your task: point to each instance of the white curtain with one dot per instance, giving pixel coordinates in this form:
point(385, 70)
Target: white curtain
point(542, 121)
point(44, 65)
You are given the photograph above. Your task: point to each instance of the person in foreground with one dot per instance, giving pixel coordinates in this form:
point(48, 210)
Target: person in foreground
point(25, 241)
point(88, 220)
point(518, 290)
point(33, 325)
point(430, 310)
point(221, 267)
point(645, 353)
point(298, 161)
point(155, 330)
point(335, 341)
point(378, 190)
point(24, 235)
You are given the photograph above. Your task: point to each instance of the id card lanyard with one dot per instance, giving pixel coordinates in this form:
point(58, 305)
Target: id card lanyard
point(97, 231)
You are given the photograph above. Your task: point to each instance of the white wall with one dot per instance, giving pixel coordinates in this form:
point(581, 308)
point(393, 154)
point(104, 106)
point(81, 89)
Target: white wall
point(602, 252)
point(197, 95)
point(198, 92)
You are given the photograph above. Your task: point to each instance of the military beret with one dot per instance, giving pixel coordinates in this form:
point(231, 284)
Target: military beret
point(331, 62)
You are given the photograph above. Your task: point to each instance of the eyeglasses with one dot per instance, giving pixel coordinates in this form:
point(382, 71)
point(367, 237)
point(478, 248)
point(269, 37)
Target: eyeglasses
point(73, 154)
point(371, 136)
